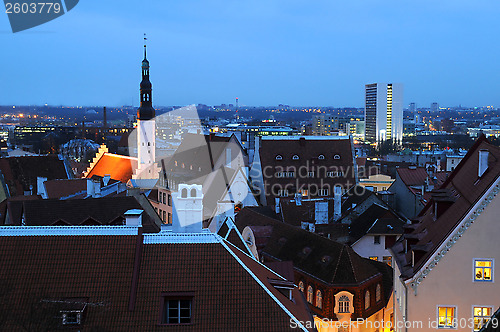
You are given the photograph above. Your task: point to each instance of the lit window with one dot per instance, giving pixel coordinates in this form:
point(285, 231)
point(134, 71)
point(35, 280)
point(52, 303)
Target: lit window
point(176, 310)
point(387, 260)
point(310, 294)
point(378, 293)
point(295, 157)
point(481, 317)
point(343, 304)
point(301, 286)
point(483, 270)
point(446, 315)
point(373, 258)
point(319, 299)
point(367, 300)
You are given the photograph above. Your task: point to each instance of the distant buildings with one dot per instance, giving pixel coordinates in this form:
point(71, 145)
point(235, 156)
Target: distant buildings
point(383, 112)
point(325, 124)
point(434, 107)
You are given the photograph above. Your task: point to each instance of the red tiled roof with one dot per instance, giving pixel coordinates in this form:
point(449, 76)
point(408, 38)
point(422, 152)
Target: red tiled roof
point(20, 173)
point(464, 189)
point(119, 167)
point(64, 188)
point(123, 281)
point(308, 151)
point(412, 176)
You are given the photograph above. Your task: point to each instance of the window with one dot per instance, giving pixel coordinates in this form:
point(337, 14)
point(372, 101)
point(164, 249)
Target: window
point(378, 293)
point(483, 270)
point(295, 157)
point(337, 156)
point(169, 221)
point(446, 315)
point(164, 198)
point(367, 299)
point(304, 192)
point(343, 304)
point(71, 317)
point(376, 239)
point(373, 258)
point(310, 294)
point(279, 157)
point(301, 286)
point(310, 174)
point(193, 192)
point(319, 299)
point(176, 310)
point(283, 192)
point(169, 201)
point(330, 174)
point(387, 260)
point(321, 157)
point(481, 317)
point(323, 192)
point(184, 193)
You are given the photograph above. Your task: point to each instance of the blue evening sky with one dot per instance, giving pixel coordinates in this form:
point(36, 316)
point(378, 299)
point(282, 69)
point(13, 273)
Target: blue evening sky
point(266, 52)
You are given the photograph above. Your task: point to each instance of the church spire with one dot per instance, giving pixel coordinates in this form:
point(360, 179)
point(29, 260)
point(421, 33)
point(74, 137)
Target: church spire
point(146, 111)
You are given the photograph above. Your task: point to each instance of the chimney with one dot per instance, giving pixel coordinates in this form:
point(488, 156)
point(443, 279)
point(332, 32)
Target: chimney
point(41, 187)
point(298, 199)
point(483, 162)
point(104, 119)
point(321, 212)
point(188, 209)
point(133, 217)
point(337, 203)
point(106, 179)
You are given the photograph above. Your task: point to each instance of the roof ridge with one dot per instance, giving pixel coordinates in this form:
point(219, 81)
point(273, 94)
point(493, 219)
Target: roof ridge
point(252, 274)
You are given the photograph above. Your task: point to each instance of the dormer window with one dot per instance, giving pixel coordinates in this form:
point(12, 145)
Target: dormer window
point(301, 286)
point(279, 157)
point(71, 317)
point(321, 157)
point(336, 157)
point(367, 299)
point(378, 293)
point(295, 157)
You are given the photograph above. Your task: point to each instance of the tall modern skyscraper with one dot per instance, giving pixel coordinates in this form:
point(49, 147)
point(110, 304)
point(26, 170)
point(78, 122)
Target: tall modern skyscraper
point(383, 112)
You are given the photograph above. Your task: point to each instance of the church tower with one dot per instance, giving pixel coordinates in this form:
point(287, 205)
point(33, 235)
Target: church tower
point(146, 131)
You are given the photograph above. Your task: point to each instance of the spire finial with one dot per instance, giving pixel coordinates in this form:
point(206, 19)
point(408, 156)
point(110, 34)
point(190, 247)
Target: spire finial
point(145, 46)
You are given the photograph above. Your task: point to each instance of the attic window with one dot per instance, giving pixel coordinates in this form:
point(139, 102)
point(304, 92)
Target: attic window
point(325, 259)
point(282, 241)
point(306, 251)
point(337, 156)
point(71, 317)
point(321, 157)
point(295, 157)
point(279, 157)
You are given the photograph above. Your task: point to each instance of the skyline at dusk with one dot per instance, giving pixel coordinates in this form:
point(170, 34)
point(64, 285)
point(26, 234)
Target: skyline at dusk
point(265, 53)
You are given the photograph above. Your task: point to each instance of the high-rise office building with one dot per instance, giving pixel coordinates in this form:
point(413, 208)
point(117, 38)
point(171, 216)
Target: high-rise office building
point(434, 107)
point(325, 124)
point(383, 112)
